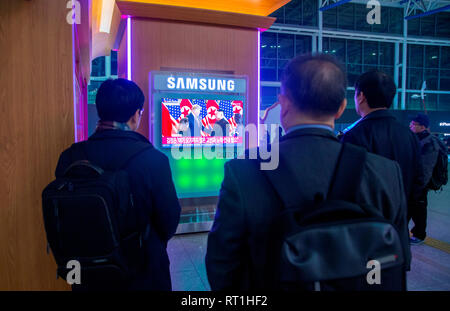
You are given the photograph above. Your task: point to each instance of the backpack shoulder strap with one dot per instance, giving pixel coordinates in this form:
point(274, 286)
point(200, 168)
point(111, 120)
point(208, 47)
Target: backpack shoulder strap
point(281, 180)
point(344, 184)
point(347, 174)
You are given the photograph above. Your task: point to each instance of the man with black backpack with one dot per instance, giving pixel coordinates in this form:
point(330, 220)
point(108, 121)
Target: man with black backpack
point(434, 161)
point(325, 217)
point(113, 205)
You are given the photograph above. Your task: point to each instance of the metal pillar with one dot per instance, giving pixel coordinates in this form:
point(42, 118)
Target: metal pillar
point(108, 66)
point(396, 69)
point(314, 43)
point(404, 62)
point(320, 34)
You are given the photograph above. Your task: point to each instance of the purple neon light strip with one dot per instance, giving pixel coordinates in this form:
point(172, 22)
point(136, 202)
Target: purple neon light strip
point(129, 48)
point(259, 82)
point(74, 77)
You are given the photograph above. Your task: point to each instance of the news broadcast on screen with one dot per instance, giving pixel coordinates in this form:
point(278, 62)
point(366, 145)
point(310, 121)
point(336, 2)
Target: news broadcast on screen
point(181, 125)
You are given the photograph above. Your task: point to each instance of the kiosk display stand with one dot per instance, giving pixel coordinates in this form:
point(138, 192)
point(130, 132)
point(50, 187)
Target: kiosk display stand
point(172, 52)
point(196, 151)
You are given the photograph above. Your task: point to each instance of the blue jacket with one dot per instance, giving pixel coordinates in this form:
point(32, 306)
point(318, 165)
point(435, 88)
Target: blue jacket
point(154, 196)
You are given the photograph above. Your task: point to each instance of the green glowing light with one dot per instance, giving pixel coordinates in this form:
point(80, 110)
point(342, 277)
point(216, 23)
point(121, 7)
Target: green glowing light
point(183, 181)
point(201, 164)
point(197, 177)
point(202, 181)
point(183, 163)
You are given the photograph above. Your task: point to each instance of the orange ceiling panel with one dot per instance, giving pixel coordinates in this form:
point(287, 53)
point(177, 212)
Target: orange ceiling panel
point(253, 7)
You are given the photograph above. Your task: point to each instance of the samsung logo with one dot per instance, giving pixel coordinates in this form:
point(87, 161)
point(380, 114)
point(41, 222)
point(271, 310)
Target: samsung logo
point(202, 84)
point(444, 124)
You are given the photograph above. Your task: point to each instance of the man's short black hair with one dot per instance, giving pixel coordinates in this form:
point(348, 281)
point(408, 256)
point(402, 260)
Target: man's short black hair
point(117, 100)
point(315, 83)
point(378, 88)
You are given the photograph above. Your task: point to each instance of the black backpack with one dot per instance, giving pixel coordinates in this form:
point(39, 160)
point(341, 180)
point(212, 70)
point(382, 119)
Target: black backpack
point(439, 178)
point(328, 244)
point(89, 216)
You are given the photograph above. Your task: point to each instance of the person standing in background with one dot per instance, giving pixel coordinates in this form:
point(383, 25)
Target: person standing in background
point(379, 132)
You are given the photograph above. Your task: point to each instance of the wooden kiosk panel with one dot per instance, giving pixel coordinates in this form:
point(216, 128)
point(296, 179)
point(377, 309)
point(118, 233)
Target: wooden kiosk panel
point(36, 100)
point(196, 15)
point(167, 38)
point(161, 45)
point(192, 40)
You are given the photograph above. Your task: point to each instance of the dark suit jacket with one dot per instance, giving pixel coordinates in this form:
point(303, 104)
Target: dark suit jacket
point(380, 133)
point(238, 254)
point(195, 125)
point(220, 126)
point(153, 192)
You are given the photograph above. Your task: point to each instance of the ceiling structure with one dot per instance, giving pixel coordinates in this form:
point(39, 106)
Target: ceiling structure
point(413, 8)
point(251, 7)
point(106, 16)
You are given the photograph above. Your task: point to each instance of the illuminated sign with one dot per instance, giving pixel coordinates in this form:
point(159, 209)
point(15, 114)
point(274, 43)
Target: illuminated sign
point(194, 84)
point(444, 124)
point(198, 83)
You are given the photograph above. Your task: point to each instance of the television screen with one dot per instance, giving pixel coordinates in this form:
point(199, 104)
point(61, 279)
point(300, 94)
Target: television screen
point(188, 121)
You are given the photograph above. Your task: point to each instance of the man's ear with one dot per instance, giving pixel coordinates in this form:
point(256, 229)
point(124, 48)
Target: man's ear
point(361, 97)
point(134, 120)
point(285, 104)
point(341, 109)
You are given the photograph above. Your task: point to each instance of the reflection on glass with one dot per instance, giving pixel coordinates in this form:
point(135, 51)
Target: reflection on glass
point(370, 53)
point(268, 45)
point(285, 46)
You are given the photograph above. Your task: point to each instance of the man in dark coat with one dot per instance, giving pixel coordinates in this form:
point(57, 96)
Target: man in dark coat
point(240, 253)
point(195, 123)
point(220, 126)
point(119, 106)
point(429, 153)
point(379, 132)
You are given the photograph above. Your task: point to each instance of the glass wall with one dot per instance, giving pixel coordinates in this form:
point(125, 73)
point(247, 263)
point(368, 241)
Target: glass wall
point(269, 95)
point(430, 63)
point(277, 49)
point(360, 56)
point(102, 69)
point(349, 16)
point(298, 12)
point(436, 25)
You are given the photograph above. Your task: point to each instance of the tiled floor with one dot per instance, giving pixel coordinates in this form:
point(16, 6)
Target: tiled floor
point(430, 268)
point(187, 264)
